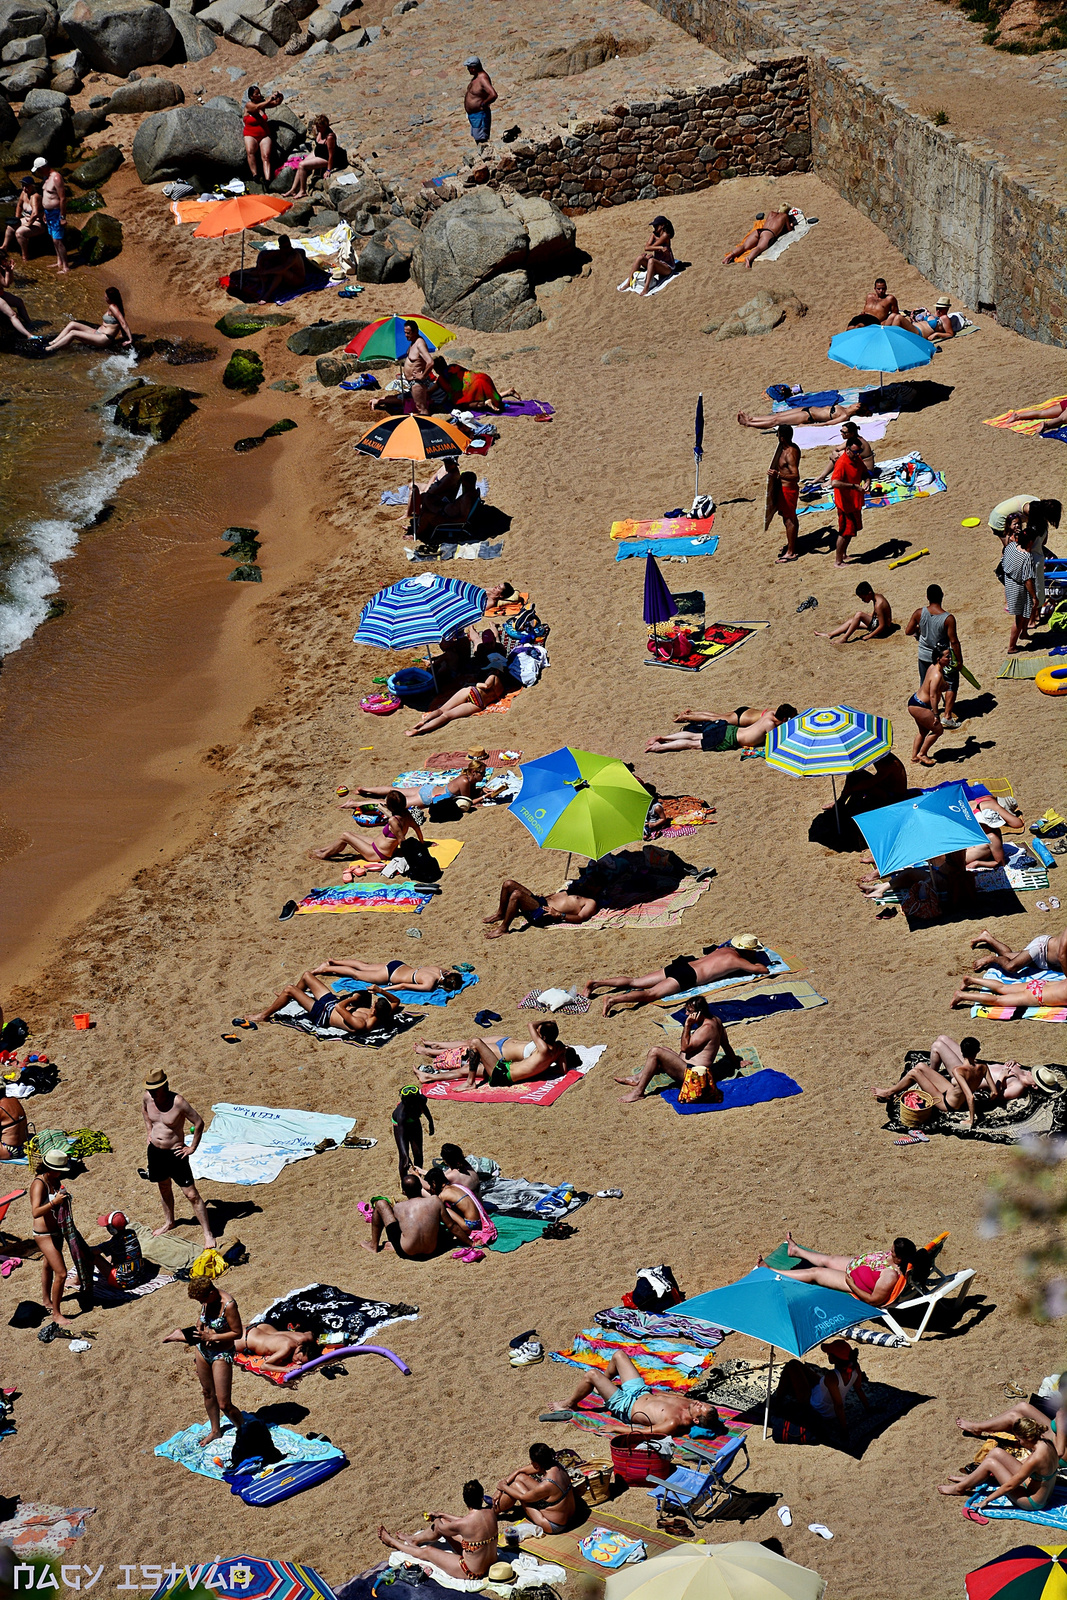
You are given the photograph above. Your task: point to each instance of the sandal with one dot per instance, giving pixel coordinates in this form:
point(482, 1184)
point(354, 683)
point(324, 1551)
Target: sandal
point(243, 1022)
point(325, 1144)
point(230, 1038)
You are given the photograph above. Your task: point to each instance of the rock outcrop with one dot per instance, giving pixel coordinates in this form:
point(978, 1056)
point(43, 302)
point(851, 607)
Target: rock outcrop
point(101, 238)
point(22, 19)
point(765, 311)
point(49, 134)
point(158, 409)
point(117, 36)
point(145, 94)
point(386, 257)
point(98, 167)
point(319, 337)
point(473, 257)
point(201, 139)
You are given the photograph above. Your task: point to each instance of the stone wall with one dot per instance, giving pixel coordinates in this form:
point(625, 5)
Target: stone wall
point(971, 227)
point(756, 121)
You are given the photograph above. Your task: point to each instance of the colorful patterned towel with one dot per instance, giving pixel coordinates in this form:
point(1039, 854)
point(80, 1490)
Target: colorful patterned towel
point(37, 1529)
point(187, 1448)
point(651, 1367)
point(642, 1325)
point(664, 912)
point(1002, 1013)
point(662, 528)
point(1031, 427)
point(540, 1092)
point(895, 493)
point(395, 894)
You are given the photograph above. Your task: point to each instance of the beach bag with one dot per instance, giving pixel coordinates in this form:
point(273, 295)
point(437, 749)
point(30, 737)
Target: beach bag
point(418, 862)
point(785, 1431)
point(596, 1488)
point(696, 1085)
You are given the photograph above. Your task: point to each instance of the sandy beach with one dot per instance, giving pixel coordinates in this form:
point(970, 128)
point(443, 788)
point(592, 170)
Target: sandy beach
point(161, 851)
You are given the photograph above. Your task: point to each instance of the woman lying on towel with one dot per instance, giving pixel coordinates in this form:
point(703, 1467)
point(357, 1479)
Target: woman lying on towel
point(872, 1278)
point(278, 1347)
point(471, 391)
point(399, 824)
point(497, 1061)
point(354, 1013)
point(1027, 1484)
point(463, 789)
point(982, 991)
point(391, 974)
point(469, 701)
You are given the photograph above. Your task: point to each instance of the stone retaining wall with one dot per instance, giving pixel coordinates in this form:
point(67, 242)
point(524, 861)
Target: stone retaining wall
point(971, 227)
point(754, 122)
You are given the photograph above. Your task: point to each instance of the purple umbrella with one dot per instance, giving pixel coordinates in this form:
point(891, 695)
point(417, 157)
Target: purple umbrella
point(659, 602)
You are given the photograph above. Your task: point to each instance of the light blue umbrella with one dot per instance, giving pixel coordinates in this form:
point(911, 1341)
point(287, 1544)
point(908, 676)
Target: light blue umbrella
point(881, 349)
point(419, 611)
point(909, 833)
point(780, 1311)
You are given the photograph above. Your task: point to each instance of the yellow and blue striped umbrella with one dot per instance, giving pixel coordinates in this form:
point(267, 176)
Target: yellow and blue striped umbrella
point(828, 739)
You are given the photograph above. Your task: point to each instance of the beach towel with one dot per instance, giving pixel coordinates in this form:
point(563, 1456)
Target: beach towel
point(518, 1197)
point(513, 1232)
point(192, 210)
point(393, 895)
point(335, 1316)
point(315, 279)
point(641, 1325)
point(741, 1090)
point(607, 1548)
point(1034, 425)
point(630, 528)
point(1021, 871)
point(1052, 1515)
point(817, 436)
point(723, 638)
point(666, 547)
point(673, 1369)
point(539, 1092)
point(797, 994)
point(480, 551)
point(408, 997)
point(188, 1449)
point(519, 408)
point(636, 282)
point(664, 911)
point(895, 493)
point(37, 1530)
point(778, 963)
point(107, 1296)
point(294, 1016)
point(1027, 666)
point(446, 759)
point(1034, 1114)
point(251, 1144)
point(780, 246)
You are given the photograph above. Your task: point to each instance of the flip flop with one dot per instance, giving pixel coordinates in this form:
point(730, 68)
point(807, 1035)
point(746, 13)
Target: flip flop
point(785, 1516)
point(1040, 906)
point(230, 1038)
point(325, 1144)
point(555, 1416)
point(1053, 904)
point(972, 1516)
point(243, 1022)
point(821, 1529)
point(288, 910)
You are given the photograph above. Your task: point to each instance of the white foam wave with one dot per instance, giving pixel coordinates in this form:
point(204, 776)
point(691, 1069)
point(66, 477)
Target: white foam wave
point(31, 580)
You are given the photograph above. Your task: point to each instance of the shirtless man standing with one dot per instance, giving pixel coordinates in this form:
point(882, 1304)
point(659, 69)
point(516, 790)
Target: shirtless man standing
point(477, 100)
point(763, 235)
point(783, 490)
point(412, 1225)
point(416, 369)
point(54, 206)
point(737, 958)
point(516, 900)
point(631, 1400)
point(703, 1036)
point(965, 1074)
point(742, 729)
point(165, 1115)
point(470, 1540)
point(1047, 950)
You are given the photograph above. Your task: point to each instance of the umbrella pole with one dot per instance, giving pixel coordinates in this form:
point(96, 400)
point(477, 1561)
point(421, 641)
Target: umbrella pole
point(770, 1381)
point(696, 484)
point(430, 664)
point(241, 274)
point(837, 814)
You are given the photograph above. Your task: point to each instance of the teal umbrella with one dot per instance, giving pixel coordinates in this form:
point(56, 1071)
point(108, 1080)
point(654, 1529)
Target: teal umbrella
point(881, 349)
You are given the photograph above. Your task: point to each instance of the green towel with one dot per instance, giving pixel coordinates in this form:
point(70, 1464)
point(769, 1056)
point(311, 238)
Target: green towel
point(512, 1232)
point(781, 1260)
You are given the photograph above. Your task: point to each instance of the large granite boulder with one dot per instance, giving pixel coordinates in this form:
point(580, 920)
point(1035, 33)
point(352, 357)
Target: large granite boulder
point(101, 238)
point(44, 100)
point(197, 41)
point(320, 337)
point(9, 123)
point(145, 94)
point(20, 19)
point(153, 408)
point(117, 36)
point(97, 168)
point(17, 82)
point(386, 257)
point(209, 141)
point(249, 22)
point(472, 258)
point(32, 48)
point(49, 134)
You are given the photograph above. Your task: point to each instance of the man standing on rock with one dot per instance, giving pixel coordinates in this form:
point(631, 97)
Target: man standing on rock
point(477, 100)
point(783, 489)
point(54, 203)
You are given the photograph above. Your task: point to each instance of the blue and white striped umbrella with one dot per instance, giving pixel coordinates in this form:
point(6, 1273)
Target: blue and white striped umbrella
point(419, 611)
point(828, 739)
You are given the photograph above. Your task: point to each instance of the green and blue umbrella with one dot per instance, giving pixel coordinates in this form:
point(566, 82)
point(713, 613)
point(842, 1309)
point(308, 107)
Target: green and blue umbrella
point(578, 801)
point(913, 831)
point(826, 740)
point(881, 349)
point(419, 611)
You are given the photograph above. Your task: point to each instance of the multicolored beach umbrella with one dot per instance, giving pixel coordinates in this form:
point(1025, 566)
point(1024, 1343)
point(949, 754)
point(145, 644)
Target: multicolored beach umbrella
point(578, 801)
point(1029, 1572)
point(413, 438)
point(247, 1578)
point(826, 740)
point(386, 339)
point(419, 611)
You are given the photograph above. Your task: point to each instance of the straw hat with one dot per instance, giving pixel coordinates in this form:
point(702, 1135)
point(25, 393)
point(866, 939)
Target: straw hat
point(1052, 1079)
point(157, 1079)
point(502, 1572)
point(942, 303)
point(57, 1161)
point(746, 941)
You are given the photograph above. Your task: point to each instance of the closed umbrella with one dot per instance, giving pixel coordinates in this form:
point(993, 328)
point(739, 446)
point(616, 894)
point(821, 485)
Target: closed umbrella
point(385, 337)
point(1029, 1572)
point(243, 211)
point(737, 1571)
point(698, 443)
point(912, 831)
point(826, 740)
point(578, 801)
point(659, 602)
point(779, 1310)
point(881, 349)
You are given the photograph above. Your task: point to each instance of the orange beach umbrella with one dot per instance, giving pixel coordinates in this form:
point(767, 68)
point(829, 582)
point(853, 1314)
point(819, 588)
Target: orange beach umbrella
point(243, 211)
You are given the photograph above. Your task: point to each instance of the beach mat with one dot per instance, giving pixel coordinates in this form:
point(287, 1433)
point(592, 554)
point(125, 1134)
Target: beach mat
point(572, 1008)
point(1051, 1515)
point(539, 1092)
point(513, 1232)
point(815, 436)
point(631, 528)
point(294, 1016)
point(1031, 427)
point(408, 997)
point(247, 1144)
point(718, 639)
point(741, 1090)
point(518, 408)
point(37, 1530)
point(665, 911)
point(791, 995)
point(779, 964)
point(635, 283)
point(186, 1447)
point(107, 1296)
point(1027, 666)
point(562, 1548)
point(666, 547)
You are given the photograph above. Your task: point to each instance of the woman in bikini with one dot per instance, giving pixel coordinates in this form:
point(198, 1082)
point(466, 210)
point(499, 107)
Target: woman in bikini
point(321, 158)
point(14, 1129)
point(113, 328)
point(802, 416)
point(657, 258)
point(461, 788)
point(924, 708)
point(981, 990)
point(1027, 1484)
point(355, 1013)
point(469, 701)
point(542, 1492)
point(214, 1338)
point(50, 1207)
point(278, 1347)
point(463, 1546)
point(498, 1061)
point(398, 825)
point(391, 974)
point(872, 1278)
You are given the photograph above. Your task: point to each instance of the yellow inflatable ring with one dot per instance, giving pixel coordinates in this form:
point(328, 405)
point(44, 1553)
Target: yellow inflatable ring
point(1052, 680)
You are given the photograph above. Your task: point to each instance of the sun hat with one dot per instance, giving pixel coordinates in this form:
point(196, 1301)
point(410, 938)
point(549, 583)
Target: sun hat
point(157, 1079)
point(114, 1219)
point(501, 1572)
point(746, 941)
point(1052, 1079)
point(942, 303)
point(56, 1161)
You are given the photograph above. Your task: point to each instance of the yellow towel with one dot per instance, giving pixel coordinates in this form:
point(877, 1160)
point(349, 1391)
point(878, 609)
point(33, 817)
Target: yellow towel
point(444, 851)
point(1034, 426)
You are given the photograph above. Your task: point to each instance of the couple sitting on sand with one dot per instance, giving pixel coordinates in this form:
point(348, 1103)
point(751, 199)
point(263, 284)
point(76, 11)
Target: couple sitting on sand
point(496, 1061)
point(954, 1076)
point(1042, 954)
point(433, 1206)
point(1040, 1426)
point(466, 1546)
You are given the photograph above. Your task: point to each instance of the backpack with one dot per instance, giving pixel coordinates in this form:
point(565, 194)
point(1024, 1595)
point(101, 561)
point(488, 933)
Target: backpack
point(655, 1290)
point(418, 861)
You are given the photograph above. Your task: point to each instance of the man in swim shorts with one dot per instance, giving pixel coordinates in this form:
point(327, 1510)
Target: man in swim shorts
point(538, 909)
point(54, 207)
point(742, 956)
point(497, 1059)
point(477, 102)
point(783, 489)
point(743, 729)
point(1047, 950)
point(165, 1116)
point(703, 1037)
point(878, 307)
point(629, 1399)
point(411, 1226)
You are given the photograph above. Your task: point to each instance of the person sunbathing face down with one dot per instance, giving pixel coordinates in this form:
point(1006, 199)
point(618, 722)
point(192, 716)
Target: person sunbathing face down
point(743, 729)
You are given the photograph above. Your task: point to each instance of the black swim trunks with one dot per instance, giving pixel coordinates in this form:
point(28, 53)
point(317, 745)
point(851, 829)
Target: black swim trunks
point(537, 916)
point(681, 970)
point(319, 1015)
point(173, 1164)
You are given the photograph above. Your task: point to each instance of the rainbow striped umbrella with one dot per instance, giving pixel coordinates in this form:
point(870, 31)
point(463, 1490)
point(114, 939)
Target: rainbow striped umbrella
point(387, 340)
point(1029, 1572)
point(247, 1578)
point(825, 740)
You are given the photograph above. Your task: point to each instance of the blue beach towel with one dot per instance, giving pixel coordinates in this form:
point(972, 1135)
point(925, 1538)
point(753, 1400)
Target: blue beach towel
point(186, 1447)
point(747, 1010)
point(1052, 1515)
point(777, 968)
point(410, 997)
point(666, 547)
point(752, 1090)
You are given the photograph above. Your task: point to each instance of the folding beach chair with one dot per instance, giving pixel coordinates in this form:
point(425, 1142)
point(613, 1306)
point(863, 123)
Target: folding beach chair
point(927, 1290)
point(703, 1494)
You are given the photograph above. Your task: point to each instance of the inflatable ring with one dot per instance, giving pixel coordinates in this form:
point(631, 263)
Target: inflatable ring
point(380, 705)
point(1052, 680)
